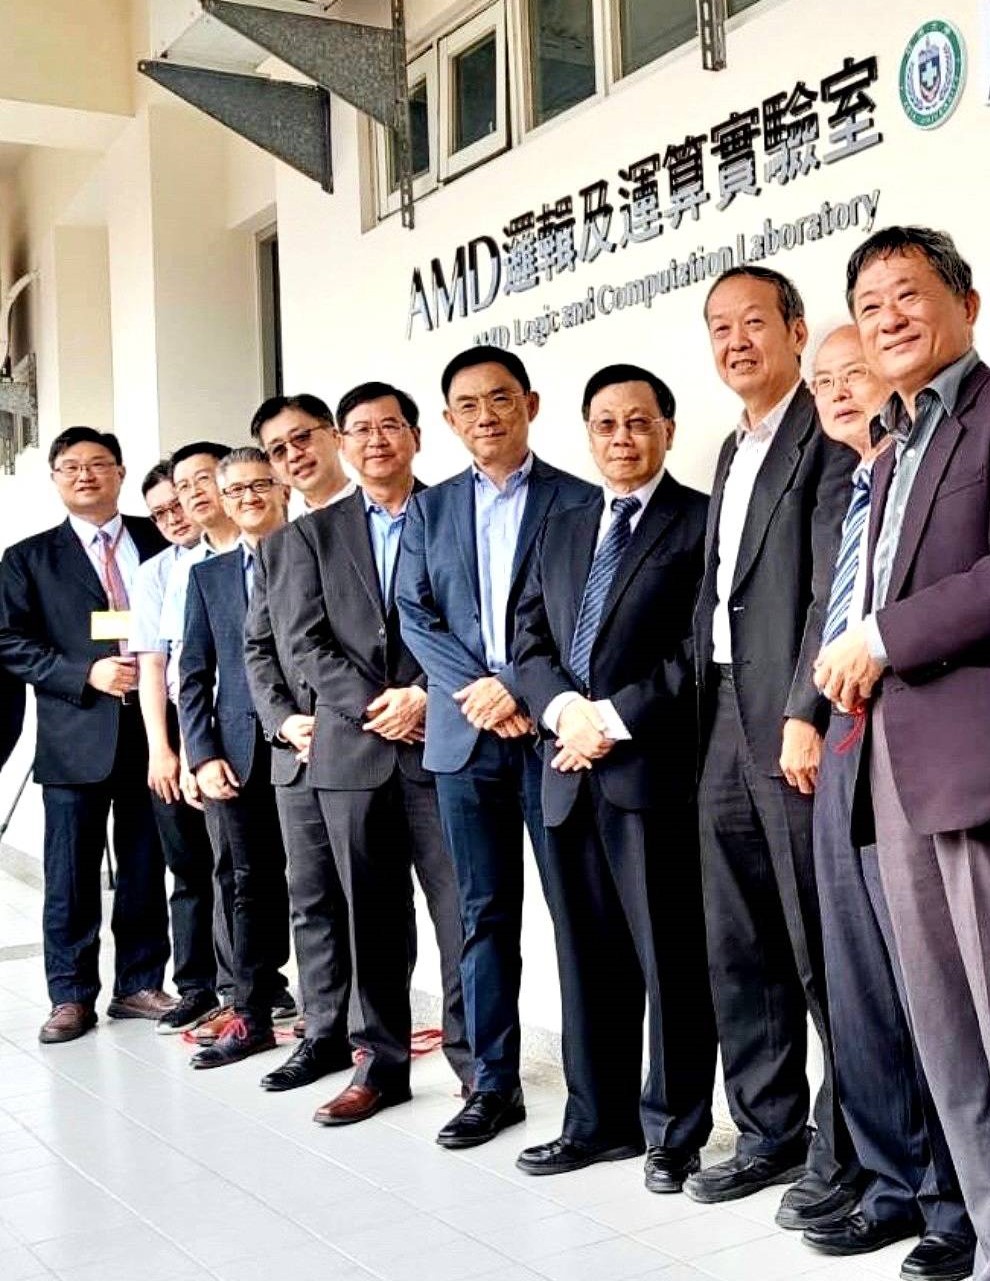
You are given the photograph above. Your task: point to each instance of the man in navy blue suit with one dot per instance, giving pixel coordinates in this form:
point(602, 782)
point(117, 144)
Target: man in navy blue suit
point(12, 721)
point(466, 550)
point(227, 751)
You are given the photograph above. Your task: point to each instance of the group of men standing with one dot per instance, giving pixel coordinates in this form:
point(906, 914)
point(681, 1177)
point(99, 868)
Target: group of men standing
point(749, 738)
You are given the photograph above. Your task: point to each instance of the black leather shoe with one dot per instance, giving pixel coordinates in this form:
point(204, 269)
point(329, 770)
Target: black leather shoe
point(310, 1061)
point(483, 1116)
point(242, 1038)
point(563, 1155)
point(741, 1176)
point(856, 1234)
point(939, 1257)
point(667, 1168)
point(813, 1203)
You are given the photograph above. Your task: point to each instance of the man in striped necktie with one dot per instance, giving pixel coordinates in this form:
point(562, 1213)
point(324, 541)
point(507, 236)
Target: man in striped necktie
point(911, 1184)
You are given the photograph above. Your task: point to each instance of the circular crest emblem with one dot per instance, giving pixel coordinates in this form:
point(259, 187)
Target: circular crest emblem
point(933, 70)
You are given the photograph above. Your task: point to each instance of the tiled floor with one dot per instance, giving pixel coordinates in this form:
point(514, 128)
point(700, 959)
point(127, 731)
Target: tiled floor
point(119, 1163)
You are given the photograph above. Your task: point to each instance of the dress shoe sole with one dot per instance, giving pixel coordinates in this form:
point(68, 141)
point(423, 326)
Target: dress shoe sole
point(624, 1153)
point(115, 1011)
point(512, 1117)
point(386, 1101)
point(960, 1273)
point(712, 1196)
point(70, 1034)
point(849, 1249)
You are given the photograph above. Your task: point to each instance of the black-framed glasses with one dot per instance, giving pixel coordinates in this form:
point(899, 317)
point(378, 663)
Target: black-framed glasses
point(263, 485)
point(299, 440)
point(171, 511)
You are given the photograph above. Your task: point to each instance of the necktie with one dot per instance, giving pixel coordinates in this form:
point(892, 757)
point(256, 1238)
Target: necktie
point(596, 589)
point(248, 573)
point(113, 582)
point(848, 561)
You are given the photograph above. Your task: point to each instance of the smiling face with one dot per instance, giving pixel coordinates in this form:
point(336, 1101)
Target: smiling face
point(629, 437)
point(378, 442)
point(195, 481)
point(255, 514)
point(848, 393)
point(303, 451)
point(910, 322)
point(756, 351)
point(488, 409)
point(169, 515)
point(88, 479)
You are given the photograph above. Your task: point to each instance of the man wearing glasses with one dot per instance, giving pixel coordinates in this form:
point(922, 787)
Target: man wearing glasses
point(230, 758)
point(297, 433)
point(604, 663)
point(466, 549)
point(181, 827)
point(64, 597)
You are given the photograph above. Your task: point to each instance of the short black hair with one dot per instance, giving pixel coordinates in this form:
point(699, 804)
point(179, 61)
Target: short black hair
point(789, 301)
point(211, 447)
point(612, 374)
point(364, 392)
point(937, 246)
point(84, 436)
point(161, 471)
point(509, 361)
point(304, 402)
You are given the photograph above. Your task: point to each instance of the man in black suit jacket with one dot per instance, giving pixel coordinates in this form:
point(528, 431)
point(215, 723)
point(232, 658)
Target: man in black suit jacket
point(773, 532)
point(91, 751)
point(227, 752)
point(365, 756)
point(602, 651)
point(12, 720)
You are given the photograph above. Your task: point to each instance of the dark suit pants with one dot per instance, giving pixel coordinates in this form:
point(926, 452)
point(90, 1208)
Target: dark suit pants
point(371, 837)
point(259, 913)
point(223, 899)
point(75, 836)
point(625, 896)
point(483, 808)
point(765, 951)
point(318, 913)
point(938, 891)
point(882, 1087)
point(189, 857)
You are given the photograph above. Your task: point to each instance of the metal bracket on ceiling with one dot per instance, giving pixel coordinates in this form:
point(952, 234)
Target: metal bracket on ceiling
point(711, 24)
point(364, 65)
point(289, 121)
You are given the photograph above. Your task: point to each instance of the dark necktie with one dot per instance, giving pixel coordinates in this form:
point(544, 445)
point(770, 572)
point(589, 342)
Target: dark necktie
point(596, 589)
point(848, 561)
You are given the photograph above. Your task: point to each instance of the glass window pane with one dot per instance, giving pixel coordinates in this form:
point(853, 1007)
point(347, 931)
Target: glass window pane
point(650, 30)
point(419, 127)
point(475, 93)
point(737, 6)
point(562, 55)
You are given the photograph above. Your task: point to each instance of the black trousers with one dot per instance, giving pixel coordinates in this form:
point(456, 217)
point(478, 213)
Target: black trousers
point(318, 913)
point(259, 911)
point(75, 835)
point(189, 857)
point(765, 951)
point(625, 897)
point(882, 1086)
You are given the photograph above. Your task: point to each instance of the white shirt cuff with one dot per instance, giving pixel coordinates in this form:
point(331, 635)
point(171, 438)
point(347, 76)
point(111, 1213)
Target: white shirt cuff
point(551, 717)
point(874, 641)
point(614, 728)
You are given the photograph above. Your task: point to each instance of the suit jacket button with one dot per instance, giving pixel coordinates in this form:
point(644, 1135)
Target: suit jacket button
point(381, 632)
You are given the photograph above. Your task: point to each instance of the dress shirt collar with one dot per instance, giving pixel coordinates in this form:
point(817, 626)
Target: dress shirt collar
point(513, 481)
point(87, 532)
point(945, 386)
point(766, 428)
point(371, 506)
point(248, 551)
point(644, 494)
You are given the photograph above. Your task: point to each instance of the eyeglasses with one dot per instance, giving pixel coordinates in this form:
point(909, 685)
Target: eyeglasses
point(390, 428)
point(501, 403)
point(70, 470)
point(172, 511)
point(260, 487)
point(822, 384)
point(637, 426)
point(201, 480)
point(299, 440)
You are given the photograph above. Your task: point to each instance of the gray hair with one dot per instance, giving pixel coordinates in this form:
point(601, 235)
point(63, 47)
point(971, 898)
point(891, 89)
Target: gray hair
point(789, 301)
point(243, 454)
point(937, 246)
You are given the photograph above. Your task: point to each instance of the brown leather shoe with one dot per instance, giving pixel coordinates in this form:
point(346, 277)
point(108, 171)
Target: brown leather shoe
point(214, 1027)
point(149, 1003)
point(67, 1021)
point(358, 1103)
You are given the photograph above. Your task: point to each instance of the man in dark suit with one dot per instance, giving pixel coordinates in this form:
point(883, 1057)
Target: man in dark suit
point(467, 547)
point(365, 756)
point(59, 591)
point(780, 492)
point(12, 717)
point(227, 752)
point(919, 662)
point(602, 653)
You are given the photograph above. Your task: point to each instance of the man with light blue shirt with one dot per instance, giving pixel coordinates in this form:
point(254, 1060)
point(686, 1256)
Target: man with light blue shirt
point(466, 550)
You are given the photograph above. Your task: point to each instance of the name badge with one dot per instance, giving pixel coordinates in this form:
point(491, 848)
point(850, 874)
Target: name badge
point(110, 624)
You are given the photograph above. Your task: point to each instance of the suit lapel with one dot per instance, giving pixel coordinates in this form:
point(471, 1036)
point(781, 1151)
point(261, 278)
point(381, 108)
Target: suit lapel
point(660, 511)
point(539, 496)
point(582, 535)
point(462, 512)
point(918, 506)
point(352, 516)
point(81, 565)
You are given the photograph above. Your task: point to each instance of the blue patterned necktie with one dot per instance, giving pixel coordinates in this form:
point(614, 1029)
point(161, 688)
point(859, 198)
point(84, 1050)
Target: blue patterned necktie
point(848, 562)
point(603, 568)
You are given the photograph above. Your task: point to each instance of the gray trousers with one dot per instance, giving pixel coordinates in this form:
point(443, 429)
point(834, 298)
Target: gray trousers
point(938, 891)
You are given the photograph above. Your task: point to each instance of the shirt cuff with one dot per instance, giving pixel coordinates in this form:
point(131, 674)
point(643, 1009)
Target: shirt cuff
point(551, 717)
point(874, 641)
point(614, 727)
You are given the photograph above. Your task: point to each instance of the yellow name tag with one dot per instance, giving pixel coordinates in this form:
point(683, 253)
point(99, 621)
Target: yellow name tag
point(110, 624)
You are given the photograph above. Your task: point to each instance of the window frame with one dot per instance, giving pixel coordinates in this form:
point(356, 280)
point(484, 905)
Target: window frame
point(423, 67)
point(525, 69)
point(449, 46)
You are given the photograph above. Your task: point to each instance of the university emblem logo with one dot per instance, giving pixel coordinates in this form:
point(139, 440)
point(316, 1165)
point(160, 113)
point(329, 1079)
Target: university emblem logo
point(933, 70)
